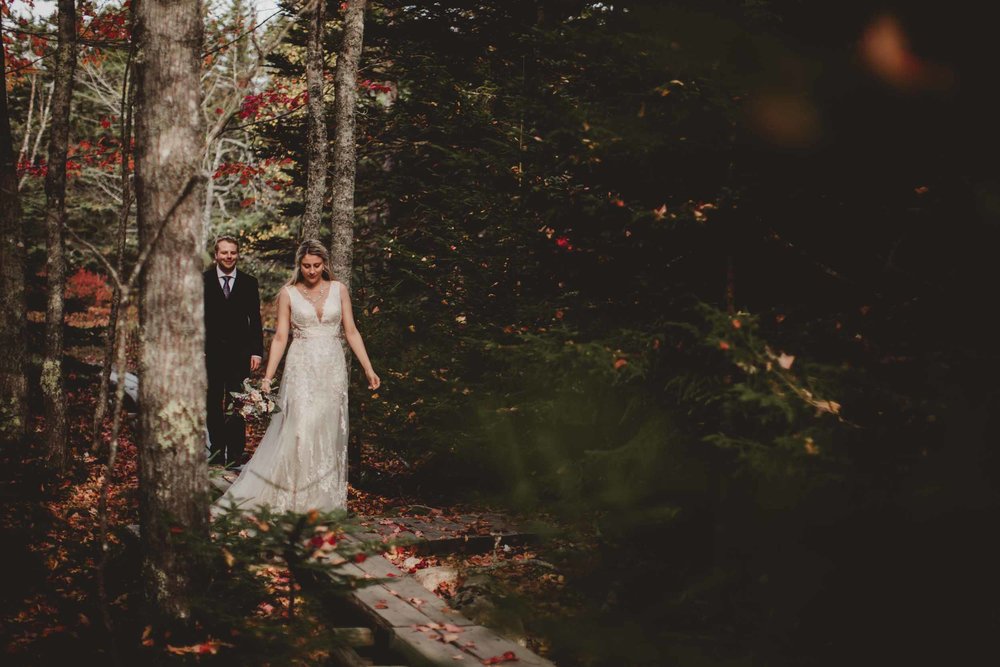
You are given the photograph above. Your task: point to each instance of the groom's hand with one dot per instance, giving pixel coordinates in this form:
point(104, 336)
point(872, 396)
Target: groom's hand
point(254, 363)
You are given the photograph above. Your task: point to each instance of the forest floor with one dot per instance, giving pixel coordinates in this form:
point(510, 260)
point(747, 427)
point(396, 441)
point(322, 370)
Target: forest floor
point(50, 609)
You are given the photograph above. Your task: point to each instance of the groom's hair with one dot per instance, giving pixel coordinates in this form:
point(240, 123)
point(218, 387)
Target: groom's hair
point(230, 239)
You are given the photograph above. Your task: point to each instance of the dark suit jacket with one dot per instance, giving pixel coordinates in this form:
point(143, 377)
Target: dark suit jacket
point(232, 326)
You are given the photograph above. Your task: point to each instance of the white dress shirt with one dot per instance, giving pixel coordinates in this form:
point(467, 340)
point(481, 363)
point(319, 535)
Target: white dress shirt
point(222, 283)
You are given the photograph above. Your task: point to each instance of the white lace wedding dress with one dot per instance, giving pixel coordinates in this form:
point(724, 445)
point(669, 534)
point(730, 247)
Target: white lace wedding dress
point(301, 463)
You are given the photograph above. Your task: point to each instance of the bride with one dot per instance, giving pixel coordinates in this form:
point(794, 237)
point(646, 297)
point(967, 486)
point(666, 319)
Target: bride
point(301, 462)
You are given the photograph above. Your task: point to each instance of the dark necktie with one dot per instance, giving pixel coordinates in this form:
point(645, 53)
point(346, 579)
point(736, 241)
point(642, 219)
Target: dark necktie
point(225, 287)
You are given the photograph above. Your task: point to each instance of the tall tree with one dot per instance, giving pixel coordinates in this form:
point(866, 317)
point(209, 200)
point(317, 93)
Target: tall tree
point(53, 391)
point(344, 150)
point(316, 142)
point(169, 141)
point(13, 387)
point(126, 107)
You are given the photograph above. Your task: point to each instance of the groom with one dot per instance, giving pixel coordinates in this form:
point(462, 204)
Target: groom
point(234, 346)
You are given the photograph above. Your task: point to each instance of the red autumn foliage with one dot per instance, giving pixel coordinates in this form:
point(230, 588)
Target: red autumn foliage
point(275, 100)
point(375, 87)
point(88, 287)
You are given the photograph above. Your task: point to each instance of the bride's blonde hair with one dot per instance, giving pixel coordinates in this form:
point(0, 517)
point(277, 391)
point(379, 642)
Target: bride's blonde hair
point(315, 248)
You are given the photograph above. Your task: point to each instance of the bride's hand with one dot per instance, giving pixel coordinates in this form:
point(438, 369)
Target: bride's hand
point(373, 380)
point(265, 386)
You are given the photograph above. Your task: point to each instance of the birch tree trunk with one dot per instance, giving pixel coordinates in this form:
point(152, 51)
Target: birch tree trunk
point(344, 151)
point(316, 142)
point(13, 309)
point(169, 140)
point(53, 391)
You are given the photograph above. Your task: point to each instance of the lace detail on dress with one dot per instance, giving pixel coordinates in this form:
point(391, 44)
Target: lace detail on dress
point(301, 462)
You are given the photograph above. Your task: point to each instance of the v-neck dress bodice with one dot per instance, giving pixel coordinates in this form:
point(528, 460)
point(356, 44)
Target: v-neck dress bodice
point(301, 462)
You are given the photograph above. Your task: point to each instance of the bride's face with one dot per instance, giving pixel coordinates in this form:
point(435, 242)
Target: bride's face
point(311, 268)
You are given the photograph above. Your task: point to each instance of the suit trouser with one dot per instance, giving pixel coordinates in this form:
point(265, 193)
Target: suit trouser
point(227, 432)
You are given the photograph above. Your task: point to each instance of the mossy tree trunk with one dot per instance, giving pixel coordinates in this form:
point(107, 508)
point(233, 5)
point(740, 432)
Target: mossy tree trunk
point(53, 389)
point(169, 141)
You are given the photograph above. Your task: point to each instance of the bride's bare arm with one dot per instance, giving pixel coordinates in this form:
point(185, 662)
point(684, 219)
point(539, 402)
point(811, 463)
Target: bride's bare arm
point(280, 339)
point(354, 337)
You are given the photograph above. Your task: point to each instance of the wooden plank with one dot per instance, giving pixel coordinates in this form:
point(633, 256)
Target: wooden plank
point(484, 644)
point(430, 605)
point(381, 568)
point(444, 535)
point(219, 483)
point(399, 605)
point(386, 609)
point(423, 651)
point(471, 544)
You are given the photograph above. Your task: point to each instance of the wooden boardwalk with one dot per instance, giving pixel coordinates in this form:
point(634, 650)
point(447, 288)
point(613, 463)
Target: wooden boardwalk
point(405, 620)
point(414, 623)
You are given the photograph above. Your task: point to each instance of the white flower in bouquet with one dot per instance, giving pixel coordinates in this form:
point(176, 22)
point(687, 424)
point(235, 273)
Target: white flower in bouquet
point(252, 403)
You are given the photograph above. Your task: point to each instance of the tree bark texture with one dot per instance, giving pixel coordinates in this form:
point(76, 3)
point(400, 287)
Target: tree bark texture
point(169, 140)
point(13, 308)
point(316, 141)
point(53, 389)
point(344, 150)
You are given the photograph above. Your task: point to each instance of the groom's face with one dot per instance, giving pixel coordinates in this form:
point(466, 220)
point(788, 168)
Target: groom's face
point(226, 255)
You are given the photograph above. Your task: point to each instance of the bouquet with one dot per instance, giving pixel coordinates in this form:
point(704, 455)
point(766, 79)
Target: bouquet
point(253, 403)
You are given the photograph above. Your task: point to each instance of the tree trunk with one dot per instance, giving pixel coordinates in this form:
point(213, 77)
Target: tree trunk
point(53, 391)
point(316, 142)
point(344, 152)
point(119, 260)
point(169, 140)
point(13, 309)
